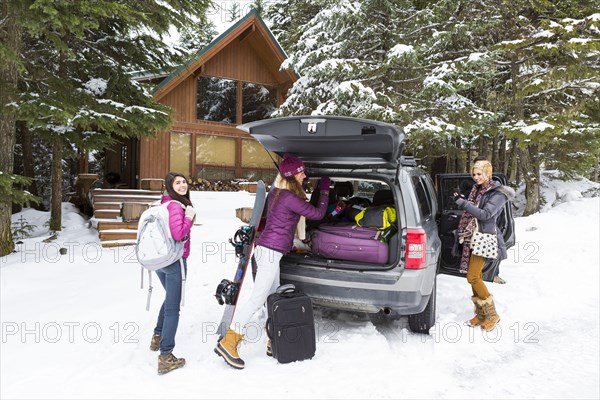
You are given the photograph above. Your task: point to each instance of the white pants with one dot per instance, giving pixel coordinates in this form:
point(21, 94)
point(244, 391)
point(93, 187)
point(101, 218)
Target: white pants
point(265, 283)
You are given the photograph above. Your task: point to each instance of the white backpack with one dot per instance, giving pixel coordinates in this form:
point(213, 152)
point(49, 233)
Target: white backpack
point(155, 247)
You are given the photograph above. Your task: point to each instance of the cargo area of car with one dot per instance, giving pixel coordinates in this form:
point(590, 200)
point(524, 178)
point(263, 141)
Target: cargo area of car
point(359, 231)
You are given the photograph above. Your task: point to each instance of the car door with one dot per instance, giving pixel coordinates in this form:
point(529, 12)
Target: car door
point(449, 217)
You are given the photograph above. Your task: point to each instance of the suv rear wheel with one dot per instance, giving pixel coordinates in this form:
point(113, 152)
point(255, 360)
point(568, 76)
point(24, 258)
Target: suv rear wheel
point(422, 322)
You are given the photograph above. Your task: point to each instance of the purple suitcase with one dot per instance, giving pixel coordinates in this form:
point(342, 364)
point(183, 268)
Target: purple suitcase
point(346, 241)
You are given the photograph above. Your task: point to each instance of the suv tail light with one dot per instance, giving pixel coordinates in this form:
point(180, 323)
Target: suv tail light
point(416, 248)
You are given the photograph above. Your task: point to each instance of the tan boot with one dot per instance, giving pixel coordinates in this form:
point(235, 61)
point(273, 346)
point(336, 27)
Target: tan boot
point(228, 349)
point(478, 318)
point(168, 362)
point(155, 342)
point(269, 350)
point(488, 311)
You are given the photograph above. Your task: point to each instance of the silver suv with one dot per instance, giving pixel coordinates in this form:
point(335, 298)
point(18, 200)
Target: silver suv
point(364, 159)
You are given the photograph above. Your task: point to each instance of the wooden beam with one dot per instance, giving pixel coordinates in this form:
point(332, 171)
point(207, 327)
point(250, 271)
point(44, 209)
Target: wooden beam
point(247, 32)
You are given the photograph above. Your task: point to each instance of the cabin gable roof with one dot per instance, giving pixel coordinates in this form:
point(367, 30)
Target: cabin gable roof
point(250, 29)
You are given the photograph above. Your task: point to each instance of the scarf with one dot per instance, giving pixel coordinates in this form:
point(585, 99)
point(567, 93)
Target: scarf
point(466, 225)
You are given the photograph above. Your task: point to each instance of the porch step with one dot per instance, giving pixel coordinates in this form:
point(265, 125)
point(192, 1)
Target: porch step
point(118, 234)
point(110, 225)
point(107, 214)
point(117, 243)
point(107, 205)
point(116, 197)
point(95, 192)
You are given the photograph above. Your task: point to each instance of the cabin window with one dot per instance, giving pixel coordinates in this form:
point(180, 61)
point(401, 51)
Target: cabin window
point(215, 157)
point(180, 153)
point(216, 100)
point(258, 101)
point(256, 163)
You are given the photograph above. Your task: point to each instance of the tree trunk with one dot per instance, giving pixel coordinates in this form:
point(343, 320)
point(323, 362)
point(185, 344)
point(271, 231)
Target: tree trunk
point(483, 147)
point(529, 159)
point(494, 154)
point(502, 156)
point(459, 165)
point(56, 203)
point(511, 165)
point(27, 144)
point(10, 36)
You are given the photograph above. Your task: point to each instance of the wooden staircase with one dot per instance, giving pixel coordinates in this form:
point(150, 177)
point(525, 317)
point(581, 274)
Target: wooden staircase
point(107, 203)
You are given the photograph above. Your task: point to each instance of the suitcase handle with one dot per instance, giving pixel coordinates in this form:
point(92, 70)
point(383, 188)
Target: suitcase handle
point(286, 288)
point(269, 328)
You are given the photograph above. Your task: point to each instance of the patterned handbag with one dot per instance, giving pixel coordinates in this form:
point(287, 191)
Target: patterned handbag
point(484, 244)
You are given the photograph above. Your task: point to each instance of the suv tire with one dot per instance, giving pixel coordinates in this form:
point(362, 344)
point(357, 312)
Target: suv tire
point(423, 321)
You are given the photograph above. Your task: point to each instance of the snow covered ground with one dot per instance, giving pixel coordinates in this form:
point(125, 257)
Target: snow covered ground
point(74, 326)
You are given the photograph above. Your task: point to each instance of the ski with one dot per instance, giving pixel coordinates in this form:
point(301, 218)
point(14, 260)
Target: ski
point(243, 240)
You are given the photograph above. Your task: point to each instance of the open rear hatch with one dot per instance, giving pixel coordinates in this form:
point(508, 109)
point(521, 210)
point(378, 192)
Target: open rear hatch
point(349, 150)
point(330, 141)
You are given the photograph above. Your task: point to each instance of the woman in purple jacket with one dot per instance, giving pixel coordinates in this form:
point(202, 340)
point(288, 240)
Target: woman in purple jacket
point(285, 207)
point(181, 219)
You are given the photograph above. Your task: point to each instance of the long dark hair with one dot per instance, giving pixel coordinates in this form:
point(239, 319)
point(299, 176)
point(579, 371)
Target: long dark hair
point(169, 179)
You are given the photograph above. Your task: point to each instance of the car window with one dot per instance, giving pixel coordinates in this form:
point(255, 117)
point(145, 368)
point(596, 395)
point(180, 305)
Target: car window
point(368, 188)
point(429, 192)
point(422, 198)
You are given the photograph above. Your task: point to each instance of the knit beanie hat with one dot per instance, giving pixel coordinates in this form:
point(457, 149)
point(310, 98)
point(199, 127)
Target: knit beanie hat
point(290, 166)
point(485, 166)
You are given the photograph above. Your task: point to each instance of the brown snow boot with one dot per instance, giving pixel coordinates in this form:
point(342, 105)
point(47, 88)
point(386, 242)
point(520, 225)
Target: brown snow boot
point(488, 311)
point(228, 349)
point(168, 362)
point(155, 342)
point(269, 350)
point(478, 318)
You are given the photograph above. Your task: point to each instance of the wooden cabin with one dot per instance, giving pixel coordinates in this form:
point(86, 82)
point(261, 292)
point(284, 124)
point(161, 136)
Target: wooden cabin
point(234, 80)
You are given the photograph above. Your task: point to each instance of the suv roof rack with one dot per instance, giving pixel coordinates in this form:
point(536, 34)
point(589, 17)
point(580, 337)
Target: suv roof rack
point(408, 161)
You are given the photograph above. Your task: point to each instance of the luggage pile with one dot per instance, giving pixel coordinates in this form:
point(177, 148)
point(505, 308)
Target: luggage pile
point(365, 240)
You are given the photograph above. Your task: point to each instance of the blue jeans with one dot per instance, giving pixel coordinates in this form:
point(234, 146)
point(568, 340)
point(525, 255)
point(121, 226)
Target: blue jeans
point(168, 317)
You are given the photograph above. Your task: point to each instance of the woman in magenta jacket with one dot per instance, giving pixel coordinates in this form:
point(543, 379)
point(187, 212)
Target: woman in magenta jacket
point(181, 219)
point(285, 206)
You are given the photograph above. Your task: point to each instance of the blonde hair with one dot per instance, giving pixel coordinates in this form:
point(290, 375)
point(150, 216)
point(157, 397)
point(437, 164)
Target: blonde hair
point(485, 166)
point(290, 184)
point(295, 187)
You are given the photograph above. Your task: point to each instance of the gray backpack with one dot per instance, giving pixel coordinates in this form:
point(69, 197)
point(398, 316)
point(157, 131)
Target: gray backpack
point(155, 247)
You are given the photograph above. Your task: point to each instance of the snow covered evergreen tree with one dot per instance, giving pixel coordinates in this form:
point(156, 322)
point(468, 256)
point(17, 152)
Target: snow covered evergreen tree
point(338, 55)
point(511, 80)
point(75, 72)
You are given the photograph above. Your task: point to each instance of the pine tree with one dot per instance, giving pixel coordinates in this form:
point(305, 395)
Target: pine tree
point(508, 71)
point(339, 56)
point(76, 73)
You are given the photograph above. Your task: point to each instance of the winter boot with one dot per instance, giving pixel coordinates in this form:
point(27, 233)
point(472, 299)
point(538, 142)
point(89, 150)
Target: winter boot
point(499, 280)
point(228, 349)
point(488, 311)
point(269, 351)
point(155, 342)
point(168, 362)
point(478, 318)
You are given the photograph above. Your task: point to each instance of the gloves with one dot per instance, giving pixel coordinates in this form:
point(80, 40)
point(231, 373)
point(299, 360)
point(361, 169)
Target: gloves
point(457, 196)
point(190, 212)
point(324, 184)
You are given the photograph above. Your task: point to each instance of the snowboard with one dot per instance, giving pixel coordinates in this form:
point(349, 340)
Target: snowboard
point(243, 240)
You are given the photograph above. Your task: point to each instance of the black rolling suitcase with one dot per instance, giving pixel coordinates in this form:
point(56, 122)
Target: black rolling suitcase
point(290, 325)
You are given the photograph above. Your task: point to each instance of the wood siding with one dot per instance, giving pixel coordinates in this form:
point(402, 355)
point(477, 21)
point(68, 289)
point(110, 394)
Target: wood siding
point(154, 156)
point(247, 54)
point(240, 61)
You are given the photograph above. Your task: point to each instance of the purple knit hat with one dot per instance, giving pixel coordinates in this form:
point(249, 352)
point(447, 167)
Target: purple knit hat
point(290, 166)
